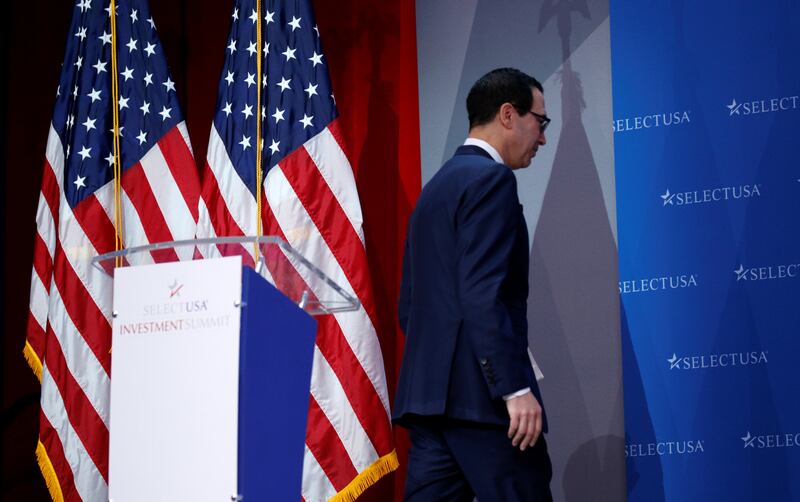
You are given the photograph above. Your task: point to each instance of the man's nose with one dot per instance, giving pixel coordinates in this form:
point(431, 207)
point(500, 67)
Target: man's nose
point(542, 139)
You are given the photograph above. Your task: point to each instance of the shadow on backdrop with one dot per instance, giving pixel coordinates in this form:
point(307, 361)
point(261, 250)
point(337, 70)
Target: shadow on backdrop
point(574, 307)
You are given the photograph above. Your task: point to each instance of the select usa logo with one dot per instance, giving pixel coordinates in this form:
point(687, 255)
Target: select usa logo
point(717, 360)
point(661, 283)
point(769, 105)
point(172, 314)
point(767, 273)
point(769, 441)
point(663, 448)
point(709, 195)
point(652, 121)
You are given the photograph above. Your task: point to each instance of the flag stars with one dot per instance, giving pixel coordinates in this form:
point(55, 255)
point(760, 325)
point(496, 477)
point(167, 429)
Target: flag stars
point(94, 95)
point(80, 182)
point(75, 92)
point(169, 84)
point(284, 84)
point(235, 15)
point(110, 158)
point(145, 108)
point(316, 58)
point(105, 37)
point(227, 109)
point(264, 81)
point(311, 90)
point(245, 142)
point(79, 62)
point(278, 115)
point(152, 24)
point(295, 23)
point(317, 30)
point(70, 121)
point(252, 48)
point(89, 124)
point(120, 130)
point(289, 53)
point(232, 46)
point(229, 78)
point(134, 15)
point(123, 103)
point(142, 137)
point(254, 16)
point(148, 79)
point(131, 45)
point(85, 153)
point(84, 5)
point(100, 66)
point(247, 111)
point(250, 80)
point(270, 17)
point(165, 113)
point(150, 49)
point(306, 120)
point(128, 73)
point(275, 147)
point(81, 34)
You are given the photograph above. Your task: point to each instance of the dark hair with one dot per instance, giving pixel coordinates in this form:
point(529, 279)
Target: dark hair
point(503, 85)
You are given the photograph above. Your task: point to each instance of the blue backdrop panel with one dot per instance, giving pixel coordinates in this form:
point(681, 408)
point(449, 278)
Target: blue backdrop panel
point(707, 135)
point(276, 351)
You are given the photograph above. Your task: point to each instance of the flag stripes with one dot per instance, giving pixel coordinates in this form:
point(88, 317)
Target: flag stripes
point(69, 330)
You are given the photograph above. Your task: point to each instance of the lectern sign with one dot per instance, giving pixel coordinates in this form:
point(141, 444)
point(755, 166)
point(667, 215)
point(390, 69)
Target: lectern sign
point(175, 362)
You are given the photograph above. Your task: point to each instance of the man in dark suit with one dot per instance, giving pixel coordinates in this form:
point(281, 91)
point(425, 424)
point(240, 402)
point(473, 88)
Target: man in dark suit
point(467, 390)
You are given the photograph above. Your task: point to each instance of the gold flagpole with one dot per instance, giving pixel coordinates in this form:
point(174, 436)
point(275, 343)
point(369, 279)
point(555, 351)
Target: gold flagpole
point(118, 242)
point(259, 169)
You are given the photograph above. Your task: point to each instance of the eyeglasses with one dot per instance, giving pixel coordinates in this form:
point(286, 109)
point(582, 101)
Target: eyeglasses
point(544, 120)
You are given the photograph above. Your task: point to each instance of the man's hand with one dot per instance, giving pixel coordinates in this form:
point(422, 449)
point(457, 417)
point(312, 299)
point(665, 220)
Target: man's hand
point(526, 420)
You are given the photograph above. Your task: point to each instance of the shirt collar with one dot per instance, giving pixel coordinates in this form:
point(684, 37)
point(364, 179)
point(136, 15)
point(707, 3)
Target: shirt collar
point(485, 146)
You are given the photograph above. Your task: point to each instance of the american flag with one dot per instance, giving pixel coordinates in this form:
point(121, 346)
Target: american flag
point(309, 199)
point(69, 330)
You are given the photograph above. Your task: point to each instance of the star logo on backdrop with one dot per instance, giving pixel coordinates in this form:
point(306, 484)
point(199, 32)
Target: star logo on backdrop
point(667, 197)
point(734, 108)
point(673, 361)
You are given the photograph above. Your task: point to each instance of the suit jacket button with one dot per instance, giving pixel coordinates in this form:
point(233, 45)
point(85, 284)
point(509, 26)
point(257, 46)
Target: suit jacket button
point(484, 362)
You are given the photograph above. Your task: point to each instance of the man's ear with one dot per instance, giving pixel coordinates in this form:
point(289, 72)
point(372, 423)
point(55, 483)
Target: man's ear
point(506, 114)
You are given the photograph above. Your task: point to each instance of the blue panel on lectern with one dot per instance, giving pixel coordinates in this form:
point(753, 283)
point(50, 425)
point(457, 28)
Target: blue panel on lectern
point(276, 352)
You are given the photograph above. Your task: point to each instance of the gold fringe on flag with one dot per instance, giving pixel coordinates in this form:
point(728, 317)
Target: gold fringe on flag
point(367, 478)
point(48, 473)
point(33, 360)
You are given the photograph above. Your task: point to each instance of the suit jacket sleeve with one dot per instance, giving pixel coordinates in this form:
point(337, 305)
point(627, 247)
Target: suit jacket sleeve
point(487, 224)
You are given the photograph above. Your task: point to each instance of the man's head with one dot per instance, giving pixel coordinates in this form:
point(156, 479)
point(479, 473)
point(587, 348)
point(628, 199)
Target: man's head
point(506, 109)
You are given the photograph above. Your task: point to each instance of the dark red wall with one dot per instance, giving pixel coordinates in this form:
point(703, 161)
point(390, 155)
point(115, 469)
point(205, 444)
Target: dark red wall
point(371, 52)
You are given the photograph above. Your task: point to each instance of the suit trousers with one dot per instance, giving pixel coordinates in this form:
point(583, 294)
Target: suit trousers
point(453, 460)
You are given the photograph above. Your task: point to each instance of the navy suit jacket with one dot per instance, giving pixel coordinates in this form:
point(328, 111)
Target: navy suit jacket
point(463, 297)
